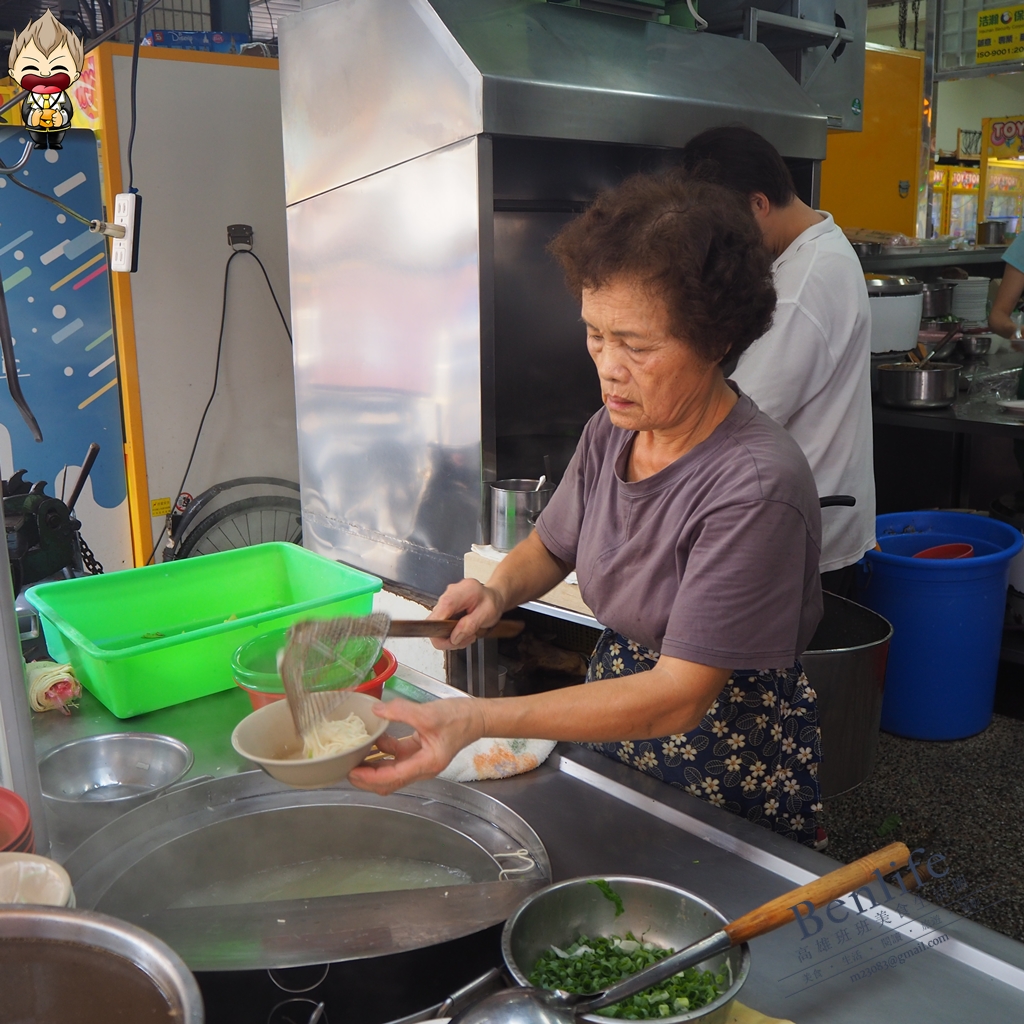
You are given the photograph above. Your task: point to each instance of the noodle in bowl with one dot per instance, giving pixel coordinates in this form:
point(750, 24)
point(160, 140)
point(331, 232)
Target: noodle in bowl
point(327, 738)
point(268, 737)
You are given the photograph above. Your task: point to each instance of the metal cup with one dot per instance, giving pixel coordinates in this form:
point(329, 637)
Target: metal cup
point(515, 506)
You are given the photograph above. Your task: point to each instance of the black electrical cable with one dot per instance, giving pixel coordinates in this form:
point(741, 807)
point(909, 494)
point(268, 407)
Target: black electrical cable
point(216, 371)
point(135, 76)
point(273, 294)
point(49, 199)
point(209, 401)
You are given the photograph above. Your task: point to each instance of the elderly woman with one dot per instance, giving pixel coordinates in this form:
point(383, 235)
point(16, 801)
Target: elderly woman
point(691, 520)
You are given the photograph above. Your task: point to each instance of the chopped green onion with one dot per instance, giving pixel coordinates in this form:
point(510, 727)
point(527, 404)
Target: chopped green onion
point(610, 894)
point(594, 964)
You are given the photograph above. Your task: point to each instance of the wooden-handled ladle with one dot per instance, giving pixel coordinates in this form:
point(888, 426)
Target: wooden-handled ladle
point(542, 1006)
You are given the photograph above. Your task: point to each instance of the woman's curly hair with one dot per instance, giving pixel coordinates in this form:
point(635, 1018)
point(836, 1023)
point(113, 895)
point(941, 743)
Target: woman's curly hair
point(693, 243)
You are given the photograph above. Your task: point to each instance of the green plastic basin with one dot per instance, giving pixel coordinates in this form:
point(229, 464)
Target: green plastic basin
point(148, 638)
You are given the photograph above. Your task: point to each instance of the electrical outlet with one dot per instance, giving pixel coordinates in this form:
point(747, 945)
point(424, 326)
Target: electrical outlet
point(124, 252)
point(240, 234)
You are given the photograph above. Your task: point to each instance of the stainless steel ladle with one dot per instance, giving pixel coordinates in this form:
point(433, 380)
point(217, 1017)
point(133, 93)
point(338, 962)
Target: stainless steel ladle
point(545, 1006)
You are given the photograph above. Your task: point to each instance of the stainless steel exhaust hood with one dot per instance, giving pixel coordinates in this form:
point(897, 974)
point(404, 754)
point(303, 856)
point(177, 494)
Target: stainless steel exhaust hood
point(431, 149)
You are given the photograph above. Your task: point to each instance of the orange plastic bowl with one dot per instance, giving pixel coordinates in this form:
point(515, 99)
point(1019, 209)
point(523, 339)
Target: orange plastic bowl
point(271, 690)
point(947, 551)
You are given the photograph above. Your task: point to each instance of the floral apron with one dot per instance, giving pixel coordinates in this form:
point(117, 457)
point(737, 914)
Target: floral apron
point(755, 753)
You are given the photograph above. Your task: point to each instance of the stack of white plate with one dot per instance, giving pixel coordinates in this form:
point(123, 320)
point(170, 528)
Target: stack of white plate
point(970, 299)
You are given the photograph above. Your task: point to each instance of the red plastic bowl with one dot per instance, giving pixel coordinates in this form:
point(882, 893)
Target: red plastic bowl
point(27, 845)
point(947, 551)
point(15, 822)
point(383, 670)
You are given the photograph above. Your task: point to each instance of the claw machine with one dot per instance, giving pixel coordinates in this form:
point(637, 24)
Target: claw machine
point(938, 184)
point(962, 202)
point(1001, 194)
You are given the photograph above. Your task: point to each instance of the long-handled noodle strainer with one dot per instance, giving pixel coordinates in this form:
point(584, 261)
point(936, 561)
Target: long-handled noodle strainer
point(324, 659)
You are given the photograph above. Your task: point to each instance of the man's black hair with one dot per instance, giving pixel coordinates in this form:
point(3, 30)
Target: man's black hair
point(742, 160)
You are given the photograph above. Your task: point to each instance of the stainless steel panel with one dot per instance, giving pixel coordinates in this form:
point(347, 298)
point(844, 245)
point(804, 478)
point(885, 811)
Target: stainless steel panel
point(366, 84)
point(546, 387)
point(839, 87)
point(565, 73)
point(386, 318)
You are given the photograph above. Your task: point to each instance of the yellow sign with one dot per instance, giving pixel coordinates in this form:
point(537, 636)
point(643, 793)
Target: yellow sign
point(160, 507)
point(1002, 138)
point(1000, 35)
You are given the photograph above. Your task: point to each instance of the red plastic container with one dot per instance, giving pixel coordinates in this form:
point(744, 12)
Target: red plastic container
point(947, 551)
point(15, 823)
point(383, 670)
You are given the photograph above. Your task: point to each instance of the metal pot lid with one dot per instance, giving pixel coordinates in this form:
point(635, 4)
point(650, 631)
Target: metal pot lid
point(892, 284)
point(243, 873)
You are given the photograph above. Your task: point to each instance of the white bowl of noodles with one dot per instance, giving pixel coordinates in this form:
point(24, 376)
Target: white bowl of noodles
point(269, 738)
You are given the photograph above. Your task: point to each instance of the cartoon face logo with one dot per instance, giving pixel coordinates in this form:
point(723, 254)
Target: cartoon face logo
point(1006, 17)
point(46, 58)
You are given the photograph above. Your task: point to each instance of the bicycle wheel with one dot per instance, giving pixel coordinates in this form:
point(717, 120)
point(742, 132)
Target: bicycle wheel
point(243, 523)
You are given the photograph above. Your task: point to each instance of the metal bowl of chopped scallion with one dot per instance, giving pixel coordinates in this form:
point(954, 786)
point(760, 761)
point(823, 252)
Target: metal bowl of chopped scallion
point(584, 934)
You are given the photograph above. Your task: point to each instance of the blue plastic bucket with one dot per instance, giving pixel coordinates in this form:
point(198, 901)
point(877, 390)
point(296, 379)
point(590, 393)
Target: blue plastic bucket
point(947, 617)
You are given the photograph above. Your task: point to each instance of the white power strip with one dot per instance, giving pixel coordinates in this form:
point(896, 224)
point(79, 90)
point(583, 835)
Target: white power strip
point(124, 252)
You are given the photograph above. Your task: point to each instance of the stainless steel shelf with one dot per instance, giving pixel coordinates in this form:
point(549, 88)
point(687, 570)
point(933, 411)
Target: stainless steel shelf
point(562, 613)
point(907, 261)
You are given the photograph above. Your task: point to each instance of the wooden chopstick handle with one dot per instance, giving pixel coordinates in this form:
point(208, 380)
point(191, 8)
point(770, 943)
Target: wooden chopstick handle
point(819, 893)
point(504, 630)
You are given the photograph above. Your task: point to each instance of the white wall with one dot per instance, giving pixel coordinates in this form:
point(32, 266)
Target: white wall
point(963, 103)
point(208, 154)
point(883, 26)
point(416, 653)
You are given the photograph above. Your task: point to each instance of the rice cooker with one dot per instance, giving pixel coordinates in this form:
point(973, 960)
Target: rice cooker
point(896, 304)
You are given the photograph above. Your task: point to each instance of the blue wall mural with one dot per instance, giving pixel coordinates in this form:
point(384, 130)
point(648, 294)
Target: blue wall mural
point(56, 280)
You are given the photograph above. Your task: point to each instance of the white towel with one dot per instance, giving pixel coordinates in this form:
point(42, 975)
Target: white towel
point(497, 759)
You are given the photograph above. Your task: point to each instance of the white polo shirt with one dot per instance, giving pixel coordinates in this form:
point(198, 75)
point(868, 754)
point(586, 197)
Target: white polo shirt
point(811, 373)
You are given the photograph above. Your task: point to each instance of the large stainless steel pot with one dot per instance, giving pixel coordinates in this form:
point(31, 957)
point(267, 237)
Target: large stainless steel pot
point(662, 913)
point(243, 873)
point(906, 386)
point(94, 937)
point(896, 304)
point(937, 300)
point(515, 506)
point(845, 664)
point(992, 232)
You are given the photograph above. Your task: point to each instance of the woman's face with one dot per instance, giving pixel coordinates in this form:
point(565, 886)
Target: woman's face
point(649, 378)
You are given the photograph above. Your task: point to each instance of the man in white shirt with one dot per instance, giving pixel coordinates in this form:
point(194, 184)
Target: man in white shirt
point(811, 370)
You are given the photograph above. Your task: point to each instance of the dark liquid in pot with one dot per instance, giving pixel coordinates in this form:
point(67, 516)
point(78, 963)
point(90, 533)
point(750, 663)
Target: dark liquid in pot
point(51, 982)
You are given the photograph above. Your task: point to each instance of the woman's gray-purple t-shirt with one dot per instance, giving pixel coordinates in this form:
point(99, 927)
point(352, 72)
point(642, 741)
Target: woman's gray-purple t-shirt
point(713, 560)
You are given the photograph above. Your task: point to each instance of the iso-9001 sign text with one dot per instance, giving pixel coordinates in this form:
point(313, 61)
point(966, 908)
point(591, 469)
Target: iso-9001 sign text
point(1000, 35)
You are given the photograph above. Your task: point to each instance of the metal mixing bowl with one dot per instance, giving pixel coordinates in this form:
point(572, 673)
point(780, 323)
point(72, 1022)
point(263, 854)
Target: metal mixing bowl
point(662, 913)
point(975, 345)
point(87, 783)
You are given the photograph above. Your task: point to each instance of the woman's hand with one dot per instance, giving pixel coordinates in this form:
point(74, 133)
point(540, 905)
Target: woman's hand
point(479, 606)
point(442, 729)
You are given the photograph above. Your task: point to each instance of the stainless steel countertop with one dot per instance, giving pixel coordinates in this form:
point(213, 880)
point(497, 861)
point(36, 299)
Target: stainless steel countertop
point(596, 816)
point(599, 817)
